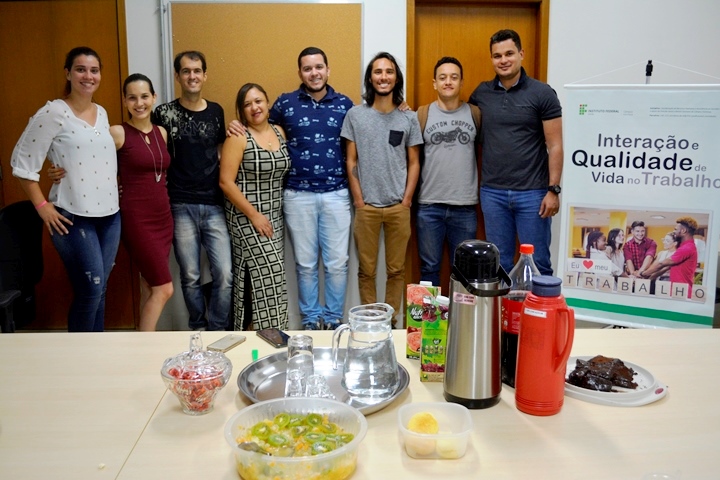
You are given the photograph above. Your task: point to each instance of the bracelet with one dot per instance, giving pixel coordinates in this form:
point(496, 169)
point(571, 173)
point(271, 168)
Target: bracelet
point(38, 207)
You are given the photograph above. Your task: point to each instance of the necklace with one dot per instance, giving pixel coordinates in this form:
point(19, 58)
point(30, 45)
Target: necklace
point(146, 142)
point(269, 139)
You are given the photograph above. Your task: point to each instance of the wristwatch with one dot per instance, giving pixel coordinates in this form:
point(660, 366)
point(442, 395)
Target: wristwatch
point(555, 189)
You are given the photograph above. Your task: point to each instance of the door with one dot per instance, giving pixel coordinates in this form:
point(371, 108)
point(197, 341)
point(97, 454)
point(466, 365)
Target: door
point(35, 36)
point(462, 29)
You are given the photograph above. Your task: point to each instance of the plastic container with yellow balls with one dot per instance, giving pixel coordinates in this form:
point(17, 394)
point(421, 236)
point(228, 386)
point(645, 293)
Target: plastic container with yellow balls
point(452, 429)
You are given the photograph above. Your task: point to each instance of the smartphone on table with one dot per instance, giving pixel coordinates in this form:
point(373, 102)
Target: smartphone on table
point(226, 343)
point(274, 336)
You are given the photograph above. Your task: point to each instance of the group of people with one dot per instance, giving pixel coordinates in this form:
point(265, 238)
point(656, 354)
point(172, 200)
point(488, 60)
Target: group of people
point(639, 257)
point(297, 164)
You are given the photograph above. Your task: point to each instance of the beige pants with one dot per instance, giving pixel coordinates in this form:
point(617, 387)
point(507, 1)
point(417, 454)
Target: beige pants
point(395, 222)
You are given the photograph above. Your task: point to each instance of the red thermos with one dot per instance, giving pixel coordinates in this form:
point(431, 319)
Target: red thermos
point(547, 329)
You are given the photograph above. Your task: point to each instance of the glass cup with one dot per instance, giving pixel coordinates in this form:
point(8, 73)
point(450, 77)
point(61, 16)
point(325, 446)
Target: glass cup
point(300, 364)
point(294, 384)
point(317, 386)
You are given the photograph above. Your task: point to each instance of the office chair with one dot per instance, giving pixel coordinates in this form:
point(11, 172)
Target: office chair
point(21, 263)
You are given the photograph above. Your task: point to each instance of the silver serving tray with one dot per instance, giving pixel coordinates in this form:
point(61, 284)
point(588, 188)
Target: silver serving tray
point(265, 379)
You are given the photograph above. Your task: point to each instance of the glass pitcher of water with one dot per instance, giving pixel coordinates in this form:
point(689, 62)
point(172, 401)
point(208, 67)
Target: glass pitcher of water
point(370, 370)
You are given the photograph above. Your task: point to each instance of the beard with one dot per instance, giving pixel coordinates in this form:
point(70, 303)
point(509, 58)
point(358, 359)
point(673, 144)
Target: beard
point(382, 94)
point(315, 89)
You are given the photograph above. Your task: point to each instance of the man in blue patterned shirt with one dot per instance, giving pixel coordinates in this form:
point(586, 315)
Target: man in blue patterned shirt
point(316, 199)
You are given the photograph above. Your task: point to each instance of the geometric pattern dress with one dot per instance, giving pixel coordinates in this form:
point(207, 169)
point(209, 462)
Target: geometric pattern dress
point(260, 177)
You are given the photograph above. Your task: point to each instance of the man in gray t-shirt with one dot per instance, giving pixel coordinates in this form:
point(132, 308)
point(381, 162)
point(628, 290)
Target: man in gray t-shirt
point(449, 177)
point(383, 167)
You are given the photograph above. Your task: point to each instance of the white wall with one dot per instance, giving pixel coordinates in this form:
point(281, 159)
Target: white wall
point(590, 41)
point(610, 41)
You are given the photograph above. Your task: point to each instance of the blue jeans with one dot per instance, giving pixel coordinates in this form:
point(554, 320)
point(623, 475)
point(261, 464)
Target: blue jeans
point(437, 222)
point(319, 224)
point(511, 214)
point(88, 252)
point(199, 225)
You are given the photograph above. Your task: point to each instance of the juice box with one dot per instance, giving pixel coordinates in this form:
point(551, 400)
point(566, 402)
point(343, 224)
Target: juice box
point(433, 343)
point(413, 316)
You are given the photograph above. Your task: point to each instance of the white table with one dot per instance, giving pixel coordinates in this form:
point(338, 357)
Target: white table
point(93, 406)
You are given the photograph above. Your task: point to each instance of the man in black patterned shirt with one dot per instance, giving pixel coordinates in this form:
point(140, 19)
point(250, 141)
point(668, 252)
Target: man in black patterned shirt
point(196, 131)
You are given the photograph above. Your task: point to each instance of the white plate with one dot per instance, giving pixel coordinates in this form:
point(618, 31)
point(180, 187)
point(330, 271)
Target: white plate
point(649, 389)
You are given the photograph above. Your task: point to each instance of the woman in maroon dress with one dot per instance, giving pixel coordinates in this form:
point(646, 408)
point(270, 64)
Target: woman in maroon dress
point(147, 225)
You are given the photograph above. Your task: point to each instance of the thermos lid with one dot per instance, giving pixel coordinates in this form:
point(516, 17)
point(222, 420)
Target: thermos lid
point(478, 261)
point(546, 286)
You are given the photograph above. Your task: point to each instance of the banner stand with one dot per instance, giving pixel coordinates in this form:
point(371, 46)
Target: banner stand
point(641, 186)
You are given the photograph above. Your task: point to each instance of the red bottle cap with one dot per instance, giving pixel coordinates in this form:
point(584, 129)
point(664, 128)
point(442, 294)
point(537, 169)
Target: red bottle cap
point(527, 249)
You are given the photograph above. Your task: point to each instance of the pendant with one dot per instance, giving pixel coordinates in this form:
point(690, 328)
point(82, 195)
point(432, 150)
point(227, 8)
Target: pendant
point(157, 177)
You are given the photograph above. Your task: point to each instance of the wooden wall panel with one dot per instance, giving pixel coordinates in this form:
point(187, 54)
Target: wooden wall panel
point(260, 43)
point(36, 36)
point(462, 29)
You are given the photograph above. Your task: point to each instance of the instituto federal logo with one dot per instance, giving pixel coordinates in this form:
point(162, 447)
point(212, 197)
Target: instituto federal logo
point(583, 108)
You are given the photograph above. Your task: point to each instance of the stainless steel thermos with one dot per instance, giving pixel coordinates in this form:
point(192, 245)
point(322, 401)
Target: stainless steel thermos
point(472, 367)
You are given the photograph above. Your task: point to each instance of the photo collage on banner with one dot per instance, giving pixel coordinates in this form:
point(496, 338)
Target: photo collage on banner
point(641, 193)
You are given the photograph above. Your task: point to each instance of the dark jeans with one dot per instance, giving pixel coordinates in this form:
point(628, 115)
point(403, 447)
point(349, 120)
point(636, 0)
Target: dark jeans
point(88, 252)
point(437, 223)
point(514, 214)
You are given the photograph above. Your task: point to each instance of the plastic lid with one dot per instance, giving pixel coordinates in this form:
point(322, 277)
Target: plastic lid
point(546, 286)
point(478, 261)
point(527, 249)
point(425, 283)
point(442, 300)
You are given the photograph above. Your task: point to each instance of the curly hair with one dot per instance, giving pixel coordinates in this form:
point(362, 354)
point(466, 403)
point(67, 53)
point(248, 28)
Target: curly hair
point(689, 223)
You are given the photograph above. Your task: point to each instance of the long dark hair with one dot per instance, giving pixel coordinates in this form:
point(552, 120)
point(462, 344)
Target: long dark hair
point(612, 237)
point(592, 238)
point(397, 93)
point(70, 59)
point(240, 100)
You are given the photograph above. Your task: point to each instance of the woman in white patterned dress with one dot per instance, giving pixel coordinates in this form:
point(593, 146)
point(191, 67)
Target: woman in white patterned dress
point(252, 172)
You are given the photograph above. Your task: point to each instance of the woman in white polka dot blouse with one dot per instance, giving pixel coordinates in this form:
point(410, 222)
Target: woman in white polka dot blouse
point(81, 212)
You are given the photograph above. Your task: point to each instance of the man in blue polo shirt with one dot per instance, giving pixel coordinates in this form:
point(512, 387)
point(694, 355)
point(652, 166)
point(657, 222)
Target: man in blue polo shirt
point(316, 198)
point(522, 154)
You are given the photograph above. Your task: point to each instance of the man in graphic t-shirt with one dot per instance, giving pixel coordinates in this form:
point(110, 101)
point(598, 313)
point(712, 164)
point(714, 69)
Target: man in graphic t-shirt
point(196, 130)
point(449, 174)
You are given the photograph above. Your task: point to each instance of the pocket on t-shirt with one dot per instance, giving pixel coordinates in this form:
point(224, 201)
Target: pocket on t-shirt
point(395, 138)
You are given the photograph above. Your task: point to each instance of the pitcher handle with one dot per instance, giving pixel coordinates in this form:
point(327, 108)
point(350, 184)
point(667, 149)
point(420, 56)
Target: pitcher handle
point(336, 342)
point(569, 313)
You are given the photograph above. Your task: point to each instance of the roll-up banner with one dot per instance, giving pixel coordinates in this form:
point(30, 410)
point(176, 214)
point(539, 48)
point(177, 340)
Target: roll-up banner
point(646, 156)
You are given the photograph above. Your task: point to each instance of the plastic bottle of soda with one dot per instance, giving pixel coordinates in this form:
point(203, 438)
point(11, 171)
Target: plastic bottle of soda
point(521, 276)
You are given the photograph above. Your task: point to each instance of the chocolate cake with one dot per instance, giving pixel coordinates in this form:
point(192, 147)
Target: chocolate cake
point(602, 374)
